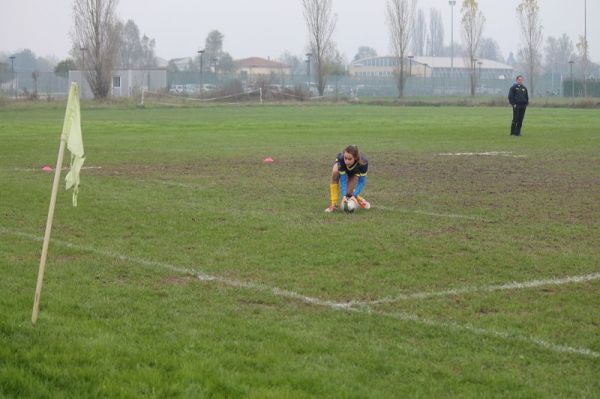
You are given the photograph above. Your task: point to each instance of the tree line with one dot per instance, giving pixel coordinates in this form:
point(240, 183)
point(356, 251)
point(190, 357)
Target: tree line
point(101, 41)
point(410, 34)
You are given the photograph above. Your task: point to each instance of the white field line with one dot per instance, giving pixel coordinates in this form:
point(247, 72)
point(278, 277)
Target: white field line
point(489, 288)
point(485, 154)
point(347, 306)
point(491, 333)
point(197, 187)
point(185, 270)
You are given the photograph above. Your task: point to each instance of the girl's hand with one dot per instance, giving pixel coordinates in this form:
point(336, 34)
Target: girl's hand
point(345, 199)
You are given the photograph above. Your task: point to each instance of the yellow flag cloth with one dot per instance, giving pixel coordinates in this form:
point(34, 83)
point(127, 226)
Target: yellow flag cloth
point(71, 133)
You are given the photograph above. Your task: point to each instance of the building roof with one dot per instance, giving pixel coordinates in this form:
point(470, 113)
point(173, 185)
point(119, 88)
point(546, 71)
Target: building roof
point(459, 62)
point(181, 60)
point(181, 63)
point(257, 62)
point(443, 62)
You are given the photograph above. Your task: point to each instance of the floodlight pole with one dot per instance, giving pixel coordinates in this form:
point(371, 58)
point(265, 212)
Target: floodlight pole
point(585, 48)
point(12, 70)
point(452, 4)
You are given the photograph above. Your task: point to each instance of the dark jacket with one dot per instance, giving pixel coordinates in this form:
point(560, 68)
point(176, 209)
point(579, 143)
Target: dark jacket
point(517, 95)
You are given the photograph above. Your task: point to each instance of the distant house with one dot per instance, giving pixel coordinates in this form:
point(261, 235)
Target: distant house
point(126, 82)
point(254, 68)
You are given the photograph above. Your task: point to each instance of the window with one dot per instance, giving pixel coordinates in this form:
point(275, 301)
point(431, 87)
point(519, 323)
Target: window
point(117, 82)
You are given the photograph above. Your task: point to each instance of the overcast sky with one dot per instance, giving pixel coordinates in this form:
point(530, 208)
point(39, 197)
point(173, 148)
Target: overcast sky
point(267, 28)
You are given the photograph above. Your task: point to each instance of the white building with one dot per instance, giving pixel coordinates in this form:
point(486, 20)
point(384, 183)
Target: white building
point(126, 82)
point(442, 67)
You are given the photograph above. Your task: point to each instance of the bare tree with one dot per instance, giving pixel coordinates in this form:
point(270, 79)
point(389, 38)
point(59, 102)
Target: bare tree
point(148, 56)
point(558, 54)
point(336, 67)
point(130, 51)
point(531, 29)
point(489, 49)
point(436, 33)
point(401, 18)
point(96, 29)
point(321, 24)
point(472, 24)
point(296, 63)
point(135, 52)
point(419, 34)
point(566, 49)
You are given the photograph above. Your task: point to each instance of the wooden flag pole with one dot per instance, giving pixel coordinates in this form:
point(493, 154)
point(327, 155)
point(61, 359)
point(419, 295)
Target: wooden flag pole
point(40, 278)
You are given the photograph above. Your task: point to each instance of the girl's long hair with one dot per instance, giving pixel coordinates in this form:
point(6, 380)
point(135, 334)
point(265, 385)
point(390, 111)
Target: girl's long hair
point(353, 150)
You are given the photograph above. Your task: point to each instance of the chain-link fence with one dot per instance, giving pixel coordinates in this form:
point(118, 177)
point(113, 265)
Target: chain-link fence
point(44, 85)
point(47, 85)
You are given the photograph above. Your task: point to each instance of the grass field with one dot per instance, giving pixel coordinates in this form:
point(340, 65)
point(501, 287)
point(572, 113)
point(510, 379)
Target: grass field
point(192, 269)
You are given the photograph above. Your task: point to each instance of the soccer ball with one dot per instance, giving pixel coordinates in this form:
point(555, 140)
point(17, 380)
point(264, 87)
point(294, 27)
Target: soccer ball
point(350, 206)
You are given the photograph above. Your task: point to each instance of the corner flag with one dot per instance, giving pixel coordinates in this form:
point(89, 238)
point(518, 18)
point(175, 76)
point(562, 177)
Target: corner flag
point(71, 133)
point(71, 136)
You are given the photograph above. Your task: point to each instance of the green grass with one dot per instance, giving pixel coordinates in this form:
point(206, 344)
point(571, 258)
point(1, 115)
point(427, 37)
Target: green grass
point(174, 193)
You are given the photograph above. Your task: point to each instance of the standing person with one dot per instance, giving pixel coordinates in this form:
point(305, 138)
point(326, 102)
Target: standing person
point(348, 175)
point(519, 99)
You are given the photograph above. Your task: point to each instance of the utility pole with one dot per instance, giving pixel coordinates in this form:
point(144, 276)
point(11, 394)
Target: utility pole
point(12, 70)
point(201, 52)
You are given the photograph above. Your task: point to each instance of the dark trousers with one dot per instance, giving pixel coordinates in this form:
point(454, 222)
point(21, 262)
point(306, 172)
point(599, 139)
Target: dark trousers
point(517, 121)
